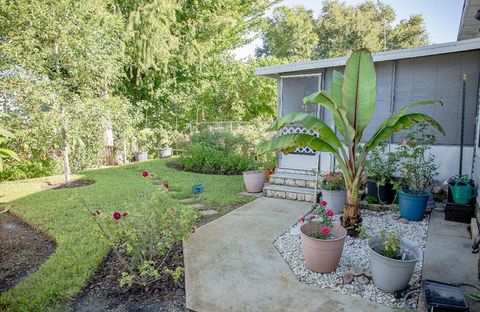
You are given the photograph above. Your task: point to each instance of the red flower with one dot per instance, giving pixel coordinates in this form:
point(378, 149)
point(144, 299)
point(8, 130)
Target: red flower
point(117, 215)
point(302, 218)
point(124, 214)
point(325, 230)
point(145, 174)
point(312, 217)
point(324, 203)
point(330, 213)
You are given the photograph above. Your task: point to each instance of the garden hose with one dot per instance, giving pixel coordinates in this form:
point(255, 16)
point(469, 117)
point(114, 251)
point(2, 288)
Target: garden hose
point(407, 295)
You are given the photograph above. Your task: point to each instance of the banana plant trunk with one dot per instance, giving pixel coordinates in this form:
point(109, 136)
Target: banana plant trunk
point(351, 219)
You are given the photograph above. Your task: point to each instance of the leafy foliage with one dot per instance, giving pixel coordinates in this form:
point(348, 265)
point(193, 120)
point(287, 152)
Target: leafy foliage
point(382, 166)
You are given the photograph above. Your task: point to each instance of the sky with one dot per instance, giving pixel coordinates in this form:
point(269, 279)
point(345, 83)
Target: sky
point(442, 18)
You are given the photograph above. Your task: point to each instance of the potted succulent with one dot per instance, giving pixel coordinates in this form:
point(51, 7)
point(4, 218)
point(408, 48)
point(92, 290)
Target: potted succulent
point(418, 169)
point(380, 169)
point(333, 191)
point(145, 138)
point(392, 260)
point(321, 240)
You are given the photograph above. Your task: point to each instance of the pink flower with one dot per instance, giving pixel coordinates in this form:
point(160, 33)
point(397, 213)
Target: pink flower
point(325, 230)
point(324, 203)
point(117, 215)
point(145, 174)
point(302, 219)
point(312, 217)
point(330, 213)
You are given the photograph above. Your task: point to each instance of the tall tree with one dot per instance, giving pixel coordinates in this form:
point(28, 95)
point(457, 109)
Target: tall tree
point(70, 50)
point(343, 28)
point(289, 33)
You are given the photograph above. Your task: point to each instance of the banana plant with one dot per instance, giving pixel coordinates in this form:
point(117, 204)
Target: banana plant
point(352, 103)
point(5, 153)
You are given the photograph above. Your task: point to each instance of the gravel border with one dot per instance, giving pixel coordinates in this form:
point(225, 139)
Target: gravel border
point(355, 256)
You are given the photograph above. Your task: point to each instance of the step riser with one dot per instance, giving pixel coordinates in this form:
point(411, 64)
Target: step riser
point(295, 171)
point(293, 182)
point(289, 195)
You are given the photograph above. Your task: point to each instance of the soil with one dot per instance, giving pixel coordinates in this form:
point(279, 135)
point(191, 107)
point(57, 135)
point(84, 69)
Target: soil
point(72, 184)
point(23, 250)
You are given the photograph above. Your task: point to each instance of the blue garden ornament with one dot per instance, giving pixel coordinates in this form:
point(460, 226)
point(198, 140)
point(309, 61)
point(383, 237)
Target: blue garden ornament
point(197, 189)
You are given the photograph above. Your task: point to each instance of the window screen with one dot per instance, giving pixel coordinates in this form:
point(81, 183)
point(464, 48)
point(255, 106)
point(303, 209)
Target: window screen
point(294, 89)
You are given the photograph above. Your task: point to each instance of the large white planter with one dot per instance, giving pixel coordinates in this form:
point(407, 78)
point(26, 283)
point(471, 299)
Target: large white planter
point(142, 156)
point(391, 274)
point(164, 152)
point(335, 200)
point(254, 181)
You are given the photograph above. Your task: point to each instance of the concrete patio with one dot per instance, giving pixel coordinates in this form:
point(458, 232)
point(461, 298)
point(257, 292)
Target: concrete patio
point(232, 265)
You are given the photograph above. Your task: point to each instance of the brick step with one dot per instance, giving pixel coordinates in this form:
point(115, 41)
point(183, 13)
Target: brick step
point(295, 171)
point(292, 179)
point(290, 192)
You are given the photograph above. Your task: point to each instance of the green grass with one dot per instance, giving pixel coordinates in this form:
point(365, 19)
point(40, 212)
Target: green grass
point(79, 250)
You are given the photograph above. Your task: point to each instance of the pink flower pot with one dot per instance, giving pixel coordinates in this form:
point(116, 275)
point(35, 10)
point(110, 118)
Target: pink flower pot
point(322, 255)
point(254, 181)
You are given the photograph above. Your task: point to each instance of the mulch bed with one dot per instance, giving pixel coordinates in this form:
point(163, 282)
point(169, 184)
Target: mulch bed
point(103, 292)
point(72, 184)
point(22, 250)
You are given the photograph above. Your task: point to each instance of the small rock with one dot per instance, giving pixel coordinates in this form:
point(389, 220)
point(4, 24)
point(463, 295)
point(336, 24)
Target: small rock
point(396, 217)
point(356, 271)
point(362, 279)
point(301, 256)
point(367, 273)
point(404, 221)
point(347, 278)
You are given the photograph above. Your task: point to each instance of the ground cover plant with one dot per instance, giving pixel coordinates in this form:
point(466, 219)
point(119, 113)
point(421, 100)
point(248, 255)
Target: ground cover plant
point(79, 248)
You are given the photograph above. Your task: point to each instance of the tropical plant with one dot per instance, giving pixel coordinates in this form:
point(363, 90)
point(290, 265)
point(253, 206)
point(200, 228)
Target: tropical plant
point(333, 182)
point(352, 103)
point(4, 152)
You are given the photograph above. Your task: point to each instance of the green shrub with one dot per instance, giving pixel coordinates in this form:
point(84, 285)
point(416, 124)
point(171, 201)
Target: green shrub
point(28, 169)
point(223, 141)
point(202, 158)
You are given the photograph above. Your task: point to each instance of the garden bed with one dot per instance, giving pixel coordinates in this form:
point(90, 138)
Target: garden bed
point(23, 250)
point(355, 258)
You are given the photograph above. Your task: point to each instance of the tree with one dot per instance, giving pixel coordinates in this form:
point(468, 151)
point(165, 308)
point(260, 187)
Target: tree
point(71, 51)
point(342, 28)
point(352, 103)
point(289, 33)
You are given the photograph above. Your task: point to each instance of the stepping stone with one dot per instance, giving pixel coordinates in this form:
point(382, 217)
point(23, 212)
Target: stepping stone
point(197, 206)
point(207, 213)
point(187, 201)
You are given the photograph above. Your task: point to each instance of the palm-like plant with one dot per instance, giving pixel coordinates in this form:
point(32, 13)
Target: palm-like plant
point(5, 153)
point(352, 103)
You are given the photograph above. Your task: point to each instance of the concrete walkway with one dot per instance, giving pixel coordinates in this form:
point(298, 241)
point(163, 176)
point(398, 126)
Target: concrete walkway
point(232, 265)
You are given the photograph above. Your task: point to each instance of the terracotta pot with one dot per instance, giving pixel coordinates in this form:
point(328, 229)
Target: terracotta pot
point(322, 255)
point(254, 181)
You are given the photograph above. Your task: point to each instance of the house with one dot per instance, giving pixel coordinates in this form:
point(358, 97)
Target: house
point(403, 77)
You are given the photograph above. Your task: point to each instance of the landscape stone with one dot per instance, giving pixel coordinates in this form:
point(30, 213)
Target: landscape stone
point(347, 278)
point(356, 271)
point(362, 279)
point(403, 220)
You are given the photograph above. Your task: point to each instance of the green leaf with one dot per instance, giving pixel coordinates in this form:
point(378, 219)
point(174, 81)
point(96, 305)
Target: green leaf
point(309, 122)
point(5, 153)
point(289, 142)
point(393, 119)
point(358, 91)
point(405, 122)
point(5, 133)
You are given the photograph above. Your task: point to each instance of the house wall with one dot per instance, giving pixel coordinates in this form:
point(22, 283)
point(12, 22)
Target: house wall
point(401, 82)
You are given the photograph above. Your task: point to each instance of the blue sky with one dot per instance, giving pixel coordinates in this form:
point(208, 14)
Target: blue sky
point(442, 17)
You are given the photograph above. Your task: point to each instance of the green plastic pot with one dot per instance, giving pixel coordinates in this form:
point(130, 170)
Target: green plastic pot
point(462, 193)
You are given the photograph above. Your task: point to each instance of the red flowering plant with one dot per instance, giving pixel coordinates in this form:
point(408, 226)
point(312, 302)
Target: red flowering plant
point(144, 236)
point(320, 221)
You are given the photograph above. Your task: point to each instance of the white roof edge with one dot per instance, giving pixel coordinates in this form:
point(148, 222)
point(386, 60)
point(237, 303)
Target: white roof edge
point(435, 49)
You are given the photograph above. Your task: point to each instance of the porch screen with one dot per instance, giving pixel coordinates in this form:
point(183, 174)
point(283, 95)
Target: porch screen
point(294, 89)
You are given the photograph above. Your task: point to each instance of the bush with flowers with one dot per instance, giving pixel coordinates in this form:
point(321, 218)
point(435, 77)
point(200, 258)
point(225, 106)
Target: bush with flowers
point(333, 181)
point(143, 236)
point(321, 222)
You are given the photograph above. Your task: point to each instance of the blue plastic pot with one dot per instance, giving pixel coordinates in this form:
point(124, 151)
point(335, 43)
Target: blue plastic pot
point(412, 206)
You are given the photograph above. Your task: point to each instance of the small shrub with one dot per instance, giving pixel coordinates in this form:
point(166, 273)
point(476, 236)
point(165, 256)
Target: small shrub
point(143, 240)
point(29, 169)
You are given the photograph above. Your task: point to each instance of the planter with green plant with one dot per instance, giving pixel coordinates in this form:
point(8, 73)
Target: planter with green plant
point(392, 260)
point(380, 169)
point(417, 166)
point(145, 142)
point(322, 241)
point(333, 191)
point(164, 142)
point(352, 103)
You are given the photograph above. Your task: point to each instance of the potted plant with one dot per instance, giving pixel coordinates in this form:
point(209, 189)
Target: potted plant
point(380, 169)
point(321, 240)
point(165, 141)
point(351, 101)
point(333, 191)
point(462, 189)
point(418, 169)
point(392, 260)
point(254, 180)
point(145, 138)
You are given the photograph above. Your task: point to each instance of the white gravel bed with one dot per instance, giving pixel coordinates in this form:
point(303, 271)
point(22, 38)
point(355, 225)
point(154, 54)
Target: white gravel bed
point(356, 254)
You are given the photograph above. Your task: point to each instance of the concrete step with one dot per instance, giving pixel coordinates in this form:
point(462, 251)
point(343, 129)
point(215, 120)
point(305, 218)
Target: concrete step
point(295, 171)
point(290, 192)
point(294, 179)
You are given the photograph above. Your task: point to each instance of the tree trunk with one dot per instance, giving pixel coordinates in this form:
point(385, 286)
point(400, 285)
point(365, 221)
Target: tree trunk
point(65, 146)
point(352, 220)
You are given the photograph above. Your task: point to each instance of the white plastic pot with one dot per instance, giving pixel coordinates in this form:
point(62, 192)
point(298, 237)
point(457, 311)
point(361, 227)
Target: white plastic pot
point(142, 156)
point(164, 152)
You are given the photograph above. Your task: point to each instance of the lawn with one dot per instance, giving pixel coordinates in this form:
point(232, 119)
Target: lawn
point(79, 249)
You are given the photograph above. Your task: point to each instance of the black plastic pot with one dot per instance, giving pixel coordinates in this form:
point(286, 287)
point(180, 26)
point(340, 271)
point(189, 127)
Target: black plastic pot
point(385, 194)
